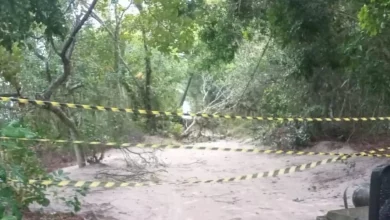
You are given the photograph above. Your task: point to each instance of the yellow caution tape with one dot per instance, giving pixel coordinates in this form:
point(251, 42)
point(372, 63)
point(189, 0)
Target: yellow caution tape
point(189, 147)
point(273, 173)
point(204, 115)
point(377, 151)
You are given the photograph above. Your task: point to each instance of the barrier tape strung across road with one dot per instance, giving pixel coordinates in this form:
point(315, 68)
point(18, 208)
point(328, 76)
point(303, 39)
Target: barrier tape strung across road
point(377, 151)
point(273, 173)
point(204, 115)
point(190, 147)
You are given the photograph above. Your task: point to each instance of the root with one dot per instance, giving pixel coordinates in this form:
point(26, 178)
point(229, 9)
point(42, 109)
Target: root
point(94, 159)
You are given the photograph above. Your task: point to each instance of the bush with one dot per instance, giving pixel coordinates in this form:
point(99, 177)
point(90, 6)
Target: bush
point(175, 129)
point(169, 127)
point(19, 164)
point(286, 136)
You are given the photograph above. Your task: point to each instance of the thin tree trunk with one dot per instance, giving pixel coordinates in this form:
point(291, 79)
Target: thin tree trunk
point(80, 154)
point(148, 77)
point(255, 69)
point(183, 98)
point(148, 82)
point(116, 41)
point(74, 135)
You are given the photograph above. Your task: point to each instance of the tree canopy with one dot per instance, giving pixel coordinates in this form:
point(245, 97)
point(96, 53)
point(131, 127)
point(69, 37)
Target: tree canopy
point(19, 18)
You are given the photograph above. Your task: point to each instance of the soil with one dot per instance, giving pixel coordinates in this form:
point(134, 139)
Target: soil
point(57, 160)
point(297, 196)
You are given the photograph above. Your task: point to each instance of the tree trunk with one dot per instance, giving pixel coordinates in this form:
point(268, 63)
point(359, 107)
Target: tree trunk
point(74, 135)
point(66, 56)
point(183, 98)
point(148, 81)
point(148, 78)
point(116, 41)
point(80, 155)
point(78, 149)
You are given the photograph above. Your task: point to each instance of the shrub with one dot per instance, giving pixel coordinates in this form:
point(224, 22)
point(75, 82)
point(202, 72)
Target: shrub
point(18, 164)
point(286, 136)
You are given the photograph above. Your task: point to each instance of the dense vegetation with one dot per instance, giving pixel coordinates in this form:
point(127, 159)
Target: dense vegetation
point(308, 58)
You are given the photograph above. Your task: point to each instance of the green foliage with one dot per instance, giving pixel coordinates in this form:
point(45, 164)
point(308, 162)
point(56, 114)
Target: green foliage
point(19, 17)
point(324, 59)
point(172, 128)
point(374, 16)
point(10, 65)
point(96, 68)
point(284, 136)
point(169, 25)
point(221, 33)
point(72, 202)
point(18, 164)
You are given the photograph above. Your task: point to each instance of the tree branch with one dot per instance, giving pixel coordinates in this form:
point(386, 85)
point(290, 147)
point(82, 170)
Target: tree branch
point(44, 59)
point(74, 87)
point(65, 56)
point(9, 95)
point(256, 68)
point(77, 29)
point(73, 44)
point(123, 12)
point(40, 56)
point(65, 119)
point(98, 19)
point(54, 46)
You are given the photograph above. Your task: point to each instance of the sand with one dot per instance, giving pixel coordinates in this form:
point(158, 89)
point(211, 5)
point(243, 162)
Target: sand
point(297, 196)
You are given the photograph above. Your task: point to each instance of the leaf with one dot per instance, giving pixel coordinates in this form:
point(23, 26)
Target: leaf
point(20, 132)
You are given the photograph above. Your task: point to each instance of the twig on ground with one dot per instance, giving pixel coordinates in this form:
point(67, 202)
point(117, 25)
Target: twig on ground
point(127, 174)
point(137, 163)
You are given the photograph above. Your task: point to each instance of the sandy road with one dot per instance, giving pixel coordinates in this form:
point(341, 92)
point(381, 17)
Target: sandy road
point(297, 196)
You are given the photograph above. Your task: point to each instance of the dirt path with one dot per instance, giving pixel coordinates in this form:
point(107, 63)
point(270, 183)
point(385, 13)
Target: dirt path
point(297, 196)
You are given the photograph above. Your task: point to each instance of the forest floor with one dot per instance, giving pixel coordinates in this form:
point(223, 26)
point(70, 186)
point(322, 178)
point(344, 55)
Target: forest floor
point(297, 196)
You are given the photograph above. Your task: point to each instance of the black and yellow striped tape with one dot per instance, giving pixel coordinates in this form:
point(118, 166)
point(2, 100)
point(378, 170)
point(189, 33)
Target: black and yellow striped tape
point(189, 147)
point(377, 151)
point(204, 115)
point(273, 173)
